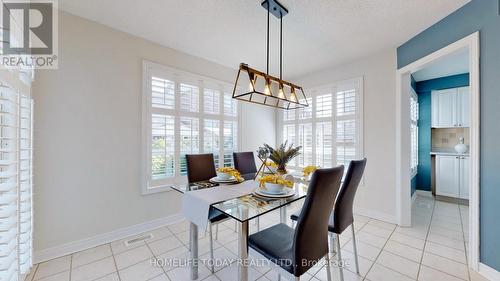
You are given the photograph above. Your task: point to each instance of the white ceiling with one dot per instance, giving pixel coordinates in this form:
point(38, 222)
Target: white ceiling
point(453, 64)
point(318, 33)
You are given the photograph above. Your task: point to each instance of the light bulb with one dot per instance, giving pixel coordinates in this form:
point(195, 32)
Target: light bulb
point(281, 94)
point(267, 90)
point(293, 97)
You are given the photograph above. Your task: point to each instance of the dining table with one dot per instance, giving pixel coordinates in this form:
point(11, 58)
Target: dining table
point(242, 209)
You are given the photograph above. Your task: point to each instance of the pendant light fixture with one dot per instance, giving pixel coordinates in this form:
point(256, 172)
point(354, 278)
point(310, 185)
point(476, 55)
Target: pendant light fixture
point(260, 87)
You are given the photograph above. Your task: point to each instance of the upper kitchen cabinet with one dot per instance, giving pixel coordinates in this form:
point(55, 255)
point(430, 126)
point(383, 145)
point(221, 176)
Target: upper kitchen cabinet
point(451, 108)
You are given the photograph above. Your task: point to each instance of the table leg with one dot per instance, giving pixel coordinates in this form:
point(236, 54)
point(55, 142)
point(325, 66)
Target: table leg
point(283, 214)
point(243, 251)
point(193, 242)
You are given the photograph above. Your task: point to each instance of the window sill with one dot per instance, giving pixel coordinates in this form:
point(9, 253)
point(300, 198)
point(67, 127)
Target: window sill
point(158, 189)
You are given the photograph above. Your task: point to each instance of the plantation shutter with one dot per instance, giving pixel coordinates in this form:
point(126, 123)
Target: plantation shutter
point(15, 175)
point(345, 125)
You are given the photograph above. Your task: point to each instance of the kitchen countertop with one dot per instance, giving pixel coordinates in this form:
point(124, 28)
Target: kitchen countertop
point(448, 152)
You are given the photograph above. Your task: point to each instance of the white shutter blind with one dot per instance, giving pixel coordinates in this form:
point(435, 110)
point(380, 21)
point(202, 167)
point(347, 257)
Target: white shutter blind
point(324, 106)
point(184, 113)
point(306, 141)
point(211, 101)
point(9, 186)
point(189, 98)
point(230, 141)
point(162, 93)
point(230, 106)
point(346, 132)
point(25, 184)
point(189, 133)
point(324, 140)
point(15, 179)
point(330, 129)
point(211, 138)
point(414, 130)
point(162, 146)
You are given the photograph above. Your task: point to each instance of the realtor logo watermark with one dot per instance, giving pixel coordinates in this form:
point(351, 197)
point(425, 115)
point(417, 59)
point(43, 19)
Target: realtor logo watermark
point(29, 34)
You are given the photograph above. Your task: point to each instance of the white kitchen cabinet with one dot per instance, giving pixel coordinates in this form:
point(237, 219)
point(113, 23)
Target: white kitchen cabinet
point(464, 107)
point(450, 108)
point(464, 177)
point(452, 176)
point(447, 176)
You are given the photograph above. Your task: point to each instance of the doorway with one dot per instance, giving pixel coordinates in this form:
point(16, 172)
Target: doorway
point(405, 155)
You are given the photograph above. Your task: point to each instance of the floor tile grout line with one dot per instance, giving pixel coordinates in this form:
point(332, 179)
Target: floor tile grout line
point(114, 262)
point(425, 241)
point(465, 242)
point(385, 244)
point(157, 257)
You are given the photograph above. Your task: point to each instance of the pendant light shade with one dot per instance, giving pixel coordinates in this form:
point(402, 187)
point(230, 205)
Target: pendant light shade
point(261, 88)
point(258, 87)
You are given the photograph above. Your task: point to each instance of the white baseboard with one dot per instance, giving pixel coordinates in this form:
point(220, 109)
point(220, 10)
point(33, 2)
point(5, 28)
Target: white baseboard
point(376, 215)
point(488, 272)
point(76, 246)
point(423, 193)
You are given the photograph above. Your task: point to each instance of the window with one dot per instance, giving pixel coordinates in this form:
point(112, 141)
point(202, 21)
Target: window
point(330, 129)
point(16, 175)
point(184, 114)
point(414, 131)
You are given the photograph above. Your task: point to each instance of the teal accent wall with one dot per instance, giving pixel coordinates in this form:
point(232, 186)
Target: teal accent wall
point(424, 90)
point(482, 16)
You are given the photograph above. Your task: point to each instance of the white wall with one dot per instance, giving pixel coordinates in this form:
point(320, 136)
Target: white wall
point(87, 133)
point(377, 198)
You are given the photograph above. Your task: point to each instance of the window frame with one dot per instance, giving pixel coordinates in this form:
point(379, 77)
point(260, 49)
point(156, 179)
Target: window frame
point(150, 69)
point(312, 93)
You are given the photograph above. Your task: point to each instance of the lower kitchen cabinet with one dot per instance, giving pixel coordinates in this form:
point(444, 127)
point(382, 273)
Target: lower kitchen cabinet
point(452, 176)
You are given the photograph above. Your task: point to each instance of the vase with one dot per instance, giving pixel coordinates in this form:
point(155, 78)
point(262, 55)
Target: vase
point(281, 169)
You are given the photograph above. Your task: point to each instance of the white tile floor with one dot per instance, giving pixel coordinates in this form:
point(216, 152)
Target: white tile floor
point(433, 249)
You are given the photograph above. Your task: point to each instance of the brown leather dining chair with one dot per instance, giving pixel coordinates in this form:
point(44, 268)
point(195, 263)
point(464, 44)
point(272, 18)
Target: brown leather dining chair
point(244, 162)
point(342, 215)
point(201, 167)
point(295, 251)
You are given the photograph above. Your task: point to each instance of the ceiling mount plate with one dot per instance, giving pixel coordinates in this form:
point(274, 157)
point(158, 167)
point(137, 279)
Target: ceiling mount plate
point(275, 8)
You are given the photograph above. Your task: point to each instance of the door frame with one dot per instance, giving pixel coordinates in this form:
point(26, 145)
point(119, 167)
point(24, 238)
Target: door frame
point(403, 190)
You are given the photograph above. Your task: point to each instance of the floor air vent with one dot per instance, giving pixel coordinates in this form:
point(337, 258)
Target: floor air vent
point(139, 239)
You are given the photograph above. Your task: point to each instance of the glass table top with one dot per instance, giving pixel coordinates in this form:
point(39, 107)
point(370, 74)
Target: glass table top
point(249, 206)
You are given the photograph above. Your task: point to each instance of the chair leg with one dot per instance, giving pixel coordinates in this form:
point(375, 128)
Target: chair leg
point(339, 257)
point(279, 277)
point(328, 269)
point(332, 245)
point(216, 231)
point(355, 248)
point(297, 278)
point(211, 250)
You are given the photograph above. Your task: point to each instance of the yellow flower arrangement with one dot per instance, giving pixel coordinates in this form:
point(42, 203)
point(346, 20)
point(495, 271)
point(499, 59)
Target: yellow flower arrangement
point(271, 164)
point(276, 179)
point(232, 171)
point(309, 170)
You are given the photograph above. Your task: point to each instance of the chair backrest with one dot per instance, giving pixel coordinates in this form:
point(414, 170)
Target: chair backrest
point(200, 167)
point(311, 233)
point(342, 211)
point(244, 162)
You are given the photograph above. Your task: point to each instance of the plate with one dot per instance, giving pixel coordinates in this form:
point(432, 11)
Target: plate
point(217, 180)
point(288, 193)
point(268, 192)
